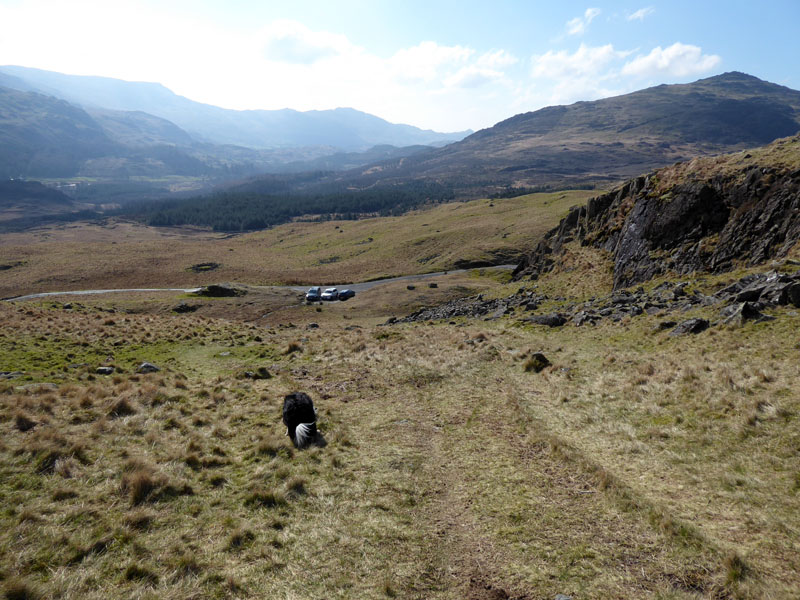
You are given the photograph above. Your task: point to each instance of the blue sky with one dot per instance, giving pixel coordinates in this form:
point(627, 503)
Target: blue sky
point(442, 65)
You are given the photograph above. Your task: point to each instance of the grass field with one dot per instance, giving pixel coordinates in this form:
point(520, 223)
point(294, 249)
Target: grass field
point(128, 255)
point(636, 465)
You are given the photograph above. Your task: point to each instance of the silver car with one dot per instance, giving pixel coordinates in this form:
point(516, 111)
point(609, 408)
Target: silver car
point(330, 294)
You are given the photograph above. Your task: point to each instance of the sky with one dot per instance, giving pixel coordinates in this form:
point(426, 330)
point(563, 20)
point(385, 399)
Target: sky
point(437, 64)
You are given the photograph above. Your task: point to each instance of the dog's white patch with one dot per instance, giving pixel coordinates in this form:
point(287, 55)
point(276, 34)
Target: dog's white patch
point(302, 434)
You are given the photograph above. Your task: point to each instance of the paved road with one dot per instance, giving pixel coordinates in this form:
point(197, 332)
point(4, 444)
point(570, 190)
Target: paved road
point(357, 287)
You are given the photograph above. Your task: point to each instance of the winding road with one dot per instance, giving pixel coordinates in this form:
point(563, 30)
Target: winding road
point(357, 287)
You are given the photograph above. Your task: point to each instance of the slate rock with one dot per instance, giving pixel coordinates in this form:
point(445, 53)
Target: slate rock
point(147, 367)
point(499, 312)
point(737, 314)
point(583, 317)
point(551, 320)
point(664, 325)
point(694, 326)
point(104, 370)
point(793, 294)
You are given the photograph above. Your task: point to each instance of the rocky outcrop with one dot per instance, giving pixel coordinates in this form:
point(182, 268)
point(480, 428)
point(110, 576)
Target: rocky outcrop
point(711, 223)
point(737, 303)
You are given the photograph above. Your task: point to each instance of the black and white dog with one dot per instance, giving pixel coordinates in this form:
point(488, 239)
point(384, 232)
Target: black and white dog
point(300, 418)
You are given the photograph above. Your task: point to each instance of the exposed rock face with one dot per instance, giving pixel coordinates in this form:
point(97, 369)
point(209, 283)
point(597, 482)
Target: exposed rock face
point(746, 217)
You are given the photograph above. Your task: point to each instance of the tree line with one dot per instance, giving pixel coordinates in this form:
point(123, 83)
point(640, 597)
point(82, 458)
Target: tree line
point(235, 211)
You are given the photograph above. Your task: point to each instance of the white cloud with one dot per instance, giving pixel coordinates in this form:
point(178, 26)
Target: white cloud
point(586, 60)
point(472, 77)
point(678, 60)
point(427, 60)
point(497, 59)
point(640, 14)
point(578, 25)
point(293, 42)
point(288, 64)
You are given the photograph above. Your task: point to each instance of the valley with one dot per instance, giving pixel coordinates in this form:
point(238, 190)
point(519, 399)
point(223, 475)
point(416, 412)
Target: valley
point(616, 417)
point(456, 463)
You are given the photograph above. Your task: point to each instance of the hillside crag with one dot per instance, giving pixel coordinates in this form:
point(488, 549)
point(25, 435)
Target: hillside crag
point(686, 218)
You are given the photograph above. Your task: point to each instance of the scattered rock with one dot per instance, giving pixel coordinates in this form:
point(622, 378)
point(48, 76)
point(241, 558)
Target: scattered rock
point(10, 374)
point(562, 597)
point(551, 320)
point(582, 318)
point(222, 290)
point(24, 423)
point(312, 326)
point(147, 367)
point(411, 287)
point(737, 314)
point(104, 370)
point(499, 313)
point(260, 373)
point(793, 294)
point(183, 307)
point(694, 326)
point(433, 285)
point(36, 388)
point(664, 325)
point(537, 362)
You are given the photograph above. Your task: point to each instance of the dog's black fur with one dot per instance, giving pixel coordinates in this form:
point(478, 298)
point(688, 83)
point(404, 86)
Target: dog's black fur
point(300, 419)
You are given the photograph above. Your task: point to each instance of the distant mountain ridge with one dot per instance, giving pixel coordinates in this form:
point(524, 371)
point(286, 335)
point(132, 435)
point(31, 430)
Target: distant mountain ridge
point(42, 136)
point(343, 128)
point(606, 140)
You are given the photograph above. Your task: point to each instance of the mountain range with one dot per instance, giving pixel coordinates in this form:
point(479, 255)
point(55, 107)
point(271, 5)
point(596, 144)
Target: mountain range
point(55, 126)
point(343, 128)
point(604, 141)
point(60, 126)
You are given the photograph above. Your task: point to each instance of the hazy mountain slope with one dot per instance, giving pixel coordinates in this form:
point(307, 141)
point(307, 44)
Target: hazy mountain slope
point(136, 128)
point(46, 136)
point(610, 139)
point(344, 128)
point(342, 161)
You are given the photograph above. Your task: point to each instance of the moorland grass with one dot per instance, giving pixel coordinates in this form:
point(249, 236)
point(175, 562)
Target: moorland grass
point(636, 464)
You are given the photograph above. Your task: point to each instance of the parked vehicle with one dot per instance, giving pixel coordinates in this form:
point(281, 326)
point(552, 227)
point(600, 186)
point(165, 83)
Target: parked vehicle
point(314, 294)
point(345, 294)
point(330, 294)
